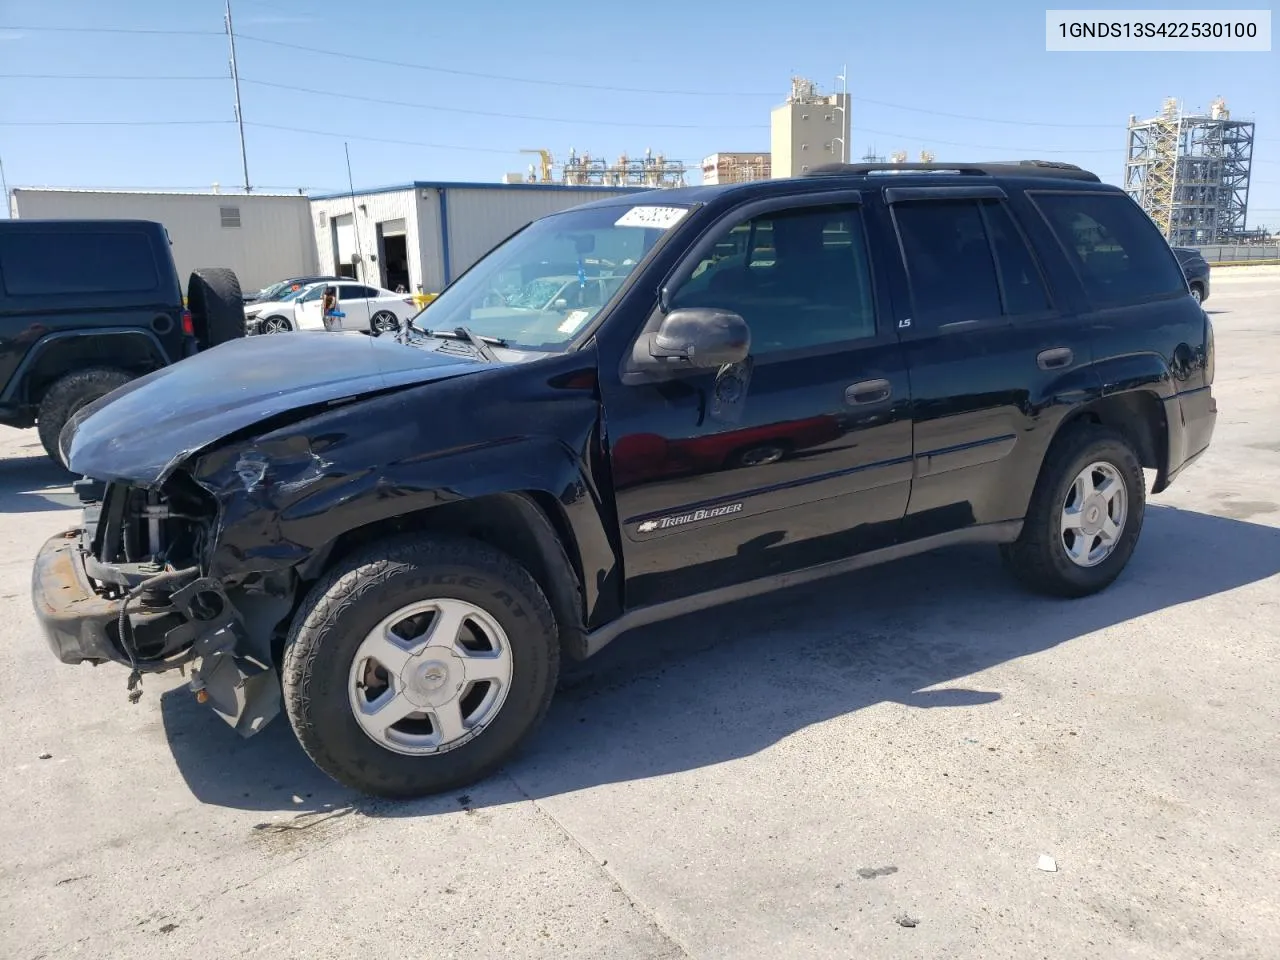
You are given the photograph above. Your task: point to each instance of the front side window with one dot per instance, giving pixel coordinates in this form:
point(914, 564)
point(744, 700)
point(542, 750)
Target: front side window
point(1116, 250)
point(545, 284)
point(800, 278)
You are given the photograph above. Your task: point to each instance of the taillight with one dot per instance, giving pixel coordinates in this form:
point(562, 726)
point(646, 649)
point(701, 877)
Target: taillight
point(188, 325)
point(409, 301)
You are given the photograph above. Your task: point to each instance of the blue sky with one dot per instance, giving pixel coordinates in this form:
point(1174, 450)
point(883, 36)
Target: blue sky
point(590, 71)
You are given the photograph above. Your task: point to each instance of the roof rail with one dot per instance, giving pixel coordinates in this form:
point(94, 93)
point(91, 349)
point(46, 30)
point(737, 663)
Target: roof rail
point(998, 168)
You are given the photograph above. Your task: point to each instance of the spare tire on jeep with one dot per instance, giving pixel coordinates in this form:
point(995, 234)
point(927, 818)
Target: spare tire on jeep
point(217, 308)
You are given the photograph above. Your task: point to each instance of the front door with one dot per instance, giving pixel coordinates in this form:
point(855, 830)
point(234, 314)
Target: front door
point(800, 456)
point(353, 301)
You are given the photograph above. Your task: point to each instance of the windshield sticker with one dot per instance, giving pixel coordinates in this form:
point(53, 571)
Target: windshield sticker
point(573, 321)
point(660, 218)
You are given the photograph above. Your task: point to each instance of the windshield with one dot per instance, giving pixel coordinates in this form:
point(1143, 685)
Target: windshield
point(541, 287)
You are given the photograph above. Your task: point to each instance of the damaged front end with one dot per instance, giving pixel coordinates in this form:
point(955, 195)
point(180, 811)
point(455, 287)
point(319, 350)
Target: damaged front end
point(127, 587)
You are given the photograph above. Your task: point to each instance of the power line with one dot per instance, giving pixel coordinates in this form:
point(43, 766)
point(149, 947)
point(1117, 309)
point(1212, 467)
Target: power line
point(503, 116)
point(127, 30)
point(107, 76)
point(111, 123)
point(476, 75)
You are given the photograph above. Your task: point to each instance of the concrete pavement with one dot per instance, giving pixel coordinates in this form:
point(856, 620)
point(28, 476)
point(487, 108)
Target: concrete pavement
point(795, 776)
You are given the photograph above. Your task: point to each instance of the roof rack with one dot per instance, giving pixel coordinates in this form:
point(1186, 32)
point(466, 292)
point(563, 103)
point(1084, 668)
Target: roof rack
point(1006, 168)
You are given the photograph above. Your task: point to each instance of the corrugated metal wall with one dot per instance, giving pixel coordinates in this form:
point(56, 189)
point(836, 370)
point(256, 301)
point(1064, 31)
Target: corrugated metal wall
point(479, 218)
point(273, 240)
point(377, 208)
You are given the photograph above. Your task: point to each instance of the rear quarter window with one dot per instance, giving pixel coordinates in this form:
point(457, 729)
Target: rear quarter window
point(1116, 250)
point(58, 262)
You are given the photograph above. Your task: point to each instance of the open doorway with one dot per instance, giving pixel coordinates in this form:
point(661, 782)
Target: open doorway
point(393, 254)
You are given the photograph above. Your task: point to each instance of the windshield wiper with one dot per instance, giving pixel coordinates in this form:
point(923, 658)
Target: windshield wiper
point(479, 341)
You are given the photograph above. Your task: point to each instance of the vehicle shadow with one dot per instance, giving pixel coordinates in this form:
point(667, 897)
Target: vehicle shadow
point(34, 484)
point(728, 682)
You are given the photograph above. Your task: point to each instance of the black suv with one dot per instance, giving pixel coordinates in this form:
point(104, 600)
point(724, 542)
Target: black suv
point(782, 380)
point(87, 305)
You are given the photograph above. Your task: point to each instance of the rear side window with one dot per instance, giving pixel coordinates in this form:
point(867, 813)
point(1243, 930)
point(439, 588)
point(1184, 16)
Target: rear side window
point(49, 264)
point(1020, 279)
point(949, 262)
point(1115, 248)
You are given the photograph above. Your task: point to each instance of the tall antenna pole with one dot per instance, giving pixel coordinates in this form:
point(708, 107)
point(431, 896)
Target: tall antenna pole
point(355, 216)
point(4, 185)
point(235, 80)
point(848, 127)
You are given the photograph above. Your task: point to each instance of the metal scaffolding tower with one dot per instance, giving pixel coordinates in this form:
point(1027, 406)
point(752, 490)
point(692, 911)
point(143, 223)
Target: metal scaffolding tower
point(1191, 173)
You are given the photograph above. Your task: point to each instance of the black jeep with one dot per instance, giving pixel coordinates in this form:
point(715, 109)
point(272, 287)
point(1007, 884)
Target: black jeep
point(87, 305)
point(785, 380)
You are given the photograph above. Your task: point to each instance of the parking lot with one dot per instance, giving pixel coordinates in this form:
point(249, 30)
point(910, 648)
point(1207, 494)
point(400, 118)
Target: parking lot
point(872, 766)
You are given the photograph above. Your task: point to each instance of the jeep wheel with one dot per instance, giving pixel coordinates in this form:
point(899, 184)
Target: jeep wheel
point(1085, 515)
point(217, 309)
point(67, 395)
point(419, 666)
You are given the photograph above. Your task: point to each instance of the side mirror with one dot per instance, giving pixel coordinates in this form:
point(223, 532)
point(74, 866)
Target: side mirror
point(704, 338)
point(560, 303)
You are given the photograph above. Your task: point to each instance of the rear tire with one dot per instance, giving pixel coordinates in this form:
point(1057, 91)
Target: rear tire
point(67, 395)
point(329, 673)
point(1041, 557)
point(217, 308)
point(384, 321)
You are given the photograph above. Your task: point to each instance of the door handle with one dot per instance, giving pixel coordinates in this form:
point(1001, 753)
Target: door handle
point(1055, 358)
point(868, 391)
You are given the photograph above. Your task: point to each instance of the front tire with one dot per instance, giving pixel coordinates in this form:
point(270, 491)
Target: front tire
point(417, 667)
point(275, 324)
point(67, 395)
point(1085, 515)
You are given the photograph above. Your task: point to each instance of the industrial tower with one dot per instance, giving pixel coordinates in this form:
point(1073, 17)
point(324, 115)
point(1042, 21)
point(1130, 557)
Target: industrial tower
point(1191, 173)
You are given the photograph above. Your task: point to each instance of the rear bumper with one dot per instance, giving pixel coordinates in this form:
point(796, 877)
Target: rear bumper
point(1192, 417)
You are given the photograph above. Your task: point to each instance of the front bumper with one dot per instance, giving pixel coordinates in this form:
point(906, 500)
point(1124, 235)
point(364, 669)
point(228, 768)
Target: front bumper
point(78, 624)
point(171, 618)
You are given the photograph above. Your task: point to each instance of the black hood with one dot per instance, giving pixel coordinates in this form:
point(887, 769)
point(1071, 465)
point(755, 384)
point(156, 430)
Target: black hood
point(144, 430)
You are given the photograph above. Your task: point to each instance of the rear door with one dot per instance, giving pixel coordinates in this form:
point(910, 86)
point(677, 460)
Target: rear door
point(799, 457)
point(996, 357)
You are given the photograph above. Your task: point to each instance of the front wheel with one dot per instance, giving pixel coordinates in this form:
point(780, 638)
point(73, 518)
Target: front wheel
point(275, 324)
point(1085, 515)
point(417, 666)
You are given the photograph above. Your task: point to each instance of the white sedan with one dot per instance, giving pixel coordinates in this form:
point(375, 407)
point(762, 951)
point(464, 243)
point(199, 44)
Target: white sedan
point(364, 308)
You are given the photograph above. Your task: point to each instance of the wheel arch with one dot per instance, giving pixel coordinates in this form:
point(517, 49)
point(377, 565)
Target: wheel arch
point(527, 525)
point(1137, 415)
point(135, 351)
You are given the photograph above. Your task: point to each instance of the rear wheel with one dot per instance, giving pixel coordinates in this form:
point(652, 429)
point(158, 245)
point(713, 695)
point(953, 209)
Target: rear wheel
point(417, 667)
point(1085, 515)
point(67, 395)
point(217, 309)
point(1197, 293)
point(384, 321)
